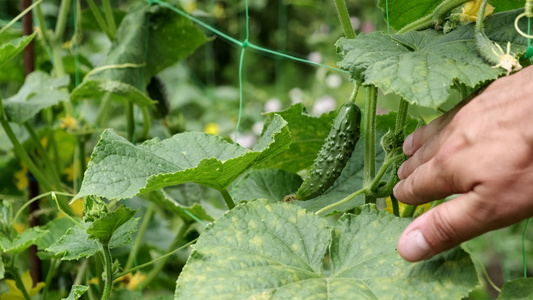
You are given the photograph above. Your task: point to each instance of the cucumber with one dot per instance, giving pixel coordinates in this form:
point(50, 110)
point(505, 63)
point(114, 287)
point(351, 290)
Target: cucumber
point(157, 90)
point(334, 154)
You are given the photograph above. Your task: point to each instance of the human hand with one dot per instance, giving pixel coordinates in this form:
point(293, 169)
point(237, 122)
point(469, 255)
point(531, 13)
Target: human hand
point(482, 150)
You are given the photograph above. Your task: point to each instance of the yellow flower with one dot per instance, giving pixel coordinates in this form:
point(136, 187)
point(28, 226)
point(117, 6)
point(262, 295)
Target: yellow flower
point(471, 9)
point(190, 7)
point(218, 11)
point(94, 280)
point(132, 281)
point(69, 171)
point(21, 181)
point(76, 206)
point(68, 122)
point(419, 210)
point(66, 45)
point(212, 128)
point(16, 294)
point(20, 228)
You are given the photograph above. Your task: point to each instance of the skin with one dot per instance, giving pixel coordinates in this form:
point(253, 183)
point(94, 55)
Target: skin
point(481, 150)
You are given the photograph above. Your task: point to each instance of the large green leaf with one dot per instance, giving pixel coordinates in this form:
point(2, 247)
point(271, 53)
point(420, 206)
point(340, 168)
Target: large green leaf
point(55, 230)
point(422, 66)
point(308, 134)
point(277, 251)
point(97, 88)
point(270, 184)
point(119, 169)
point(77, 243)
point(403, 12)
point(39, 91)
point(518, 289)
point(10, 49)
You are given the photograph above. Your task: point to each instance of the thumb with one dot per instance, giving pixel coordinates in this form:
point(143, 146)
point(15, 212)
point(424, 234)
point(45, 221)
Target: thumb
point(443, 228)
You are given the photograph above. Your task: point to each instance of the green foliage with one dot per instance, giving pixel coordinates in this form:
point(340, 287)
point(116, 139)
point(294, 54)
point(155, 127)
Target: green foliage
point(421, 67)
point(120, 170)
point(76, 242)
point(265, 250)
point(76, 292)
point(270, 184)
point(518, 289)
point(308, 134)
point(103, 228)
point(170, 204)
point(10, 49)
point(39, 91)
point(21, 242)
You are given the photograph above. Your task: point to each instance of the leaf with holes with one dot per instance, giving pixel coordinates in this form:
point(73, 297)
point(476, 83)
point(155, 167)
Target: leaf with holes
point(262, 250)
point(119, 170)
point(422, 66)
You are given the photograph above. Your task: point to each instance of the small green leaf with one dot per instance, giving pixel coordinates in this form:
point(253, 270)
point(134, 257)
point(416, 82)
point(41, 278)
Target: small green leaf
point(76, 292)
point(119, 170)
point(23, 241)
point(76, 243)
point(270, 184)
point(422, 66)
point(277, 251)
point(517, 289)
point(14, 47)
point(103, 228)
point(308, 134)
point(39, 91)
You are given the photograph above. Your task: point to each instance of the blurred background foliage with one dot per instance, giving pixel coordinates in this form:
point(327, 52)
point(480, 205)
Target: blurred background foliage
point(204, 96)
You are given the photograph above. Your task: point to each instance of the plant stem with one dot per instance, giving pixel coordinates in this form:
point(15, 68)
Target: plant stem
point(103, 111)
point(157, 259)
point(62, 19)
point(130, 121)
point(161, 263)
point(81, 155)
point(49, 276)
point(20, 16)
point(408, 210)
point(436, 17)
point(355, 91)
point(99, 19)
point(227, 197)
point(108, 269)
point(370, 142)
point(395, 206)
point(344, 17)
point(146, 122)
point(140, 235)
point(108, 12)
point(18, 280)
point(350, 197)
point(401, 117)
point(44, 155)
point(375, 183)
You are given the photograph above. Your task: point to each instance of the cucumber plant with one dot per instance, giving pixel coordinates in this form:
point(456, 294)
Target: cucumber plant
point(232, 235)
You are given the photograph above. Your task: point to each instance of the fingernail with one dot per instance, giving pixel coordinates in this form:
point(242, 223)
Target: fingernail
point(414, 247)
point(408, 145)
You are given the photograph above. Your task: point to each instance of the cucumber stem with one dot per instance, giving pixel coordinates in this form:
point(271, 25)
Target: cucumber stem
point(436, 16)
point(370, 142)
point(227, 198)
point(350, 197)
point(108, 269)
point(344, 17)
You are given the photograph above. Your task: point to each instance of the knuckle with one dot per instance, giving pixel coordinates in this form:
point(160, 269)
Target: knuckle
point(443, 233)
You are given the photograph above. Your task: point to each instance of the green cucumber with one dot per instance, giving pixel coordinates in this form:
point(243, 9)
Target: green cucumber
point(157, 90)
point(334, 154)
